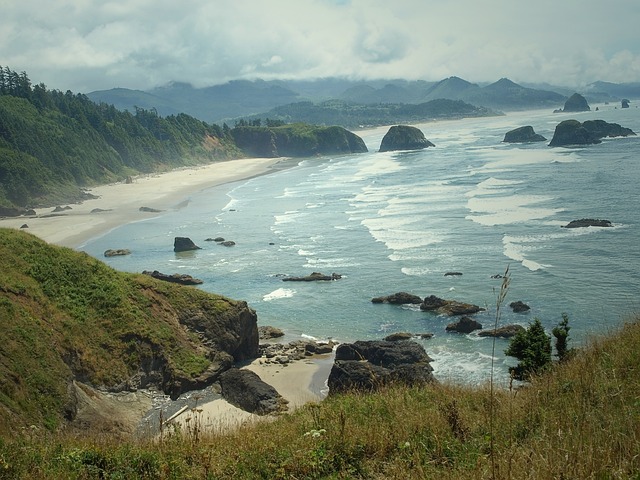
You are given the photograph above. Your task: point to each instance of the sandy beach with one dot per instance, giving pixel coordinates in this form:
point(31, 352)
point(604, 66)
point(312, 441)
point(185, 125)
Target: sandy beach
point(119, 204)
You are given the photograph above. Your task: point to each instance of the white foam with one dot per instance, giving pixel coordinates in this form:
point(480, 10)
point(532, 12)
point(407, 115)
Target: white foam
point(278, 294)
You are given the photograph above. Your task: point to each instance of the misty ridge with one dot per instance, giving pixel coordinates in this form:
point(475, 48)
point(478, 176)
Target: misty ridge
point(281, 99)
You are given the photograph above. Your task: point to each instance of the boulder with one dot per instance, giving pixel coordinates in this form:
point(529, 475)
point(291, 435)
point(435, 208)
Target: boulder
point(404, 137)
point(453, 274)
point(588, 222)
point(464, 325)
point(12, 211)
point(624, 103)
point(315, 276)
point(268, 332)
point(448, 307)
point(507, 331)
point(523, 135)
point(184, 244)
point(24, 225)
point(519, 307)
point(576, 103)
point(227, 243)
point(116, 252)
point(400, 298)
point(398, 336)
point(246, 390)
point(179, 278)
point(602, 129)
point(149, 210)
point(369, 365)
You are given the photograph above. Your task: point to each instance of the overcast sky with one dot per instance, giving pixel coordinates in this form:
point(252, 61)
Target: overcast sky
point(86, 45)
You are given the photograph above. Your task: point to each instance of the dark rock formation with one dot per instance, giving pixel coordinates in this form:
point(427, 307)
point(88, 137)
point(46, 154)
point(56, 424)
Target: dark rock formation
point(100, 210)
point(245, 390)
point(519, 307)
point(369, 365)
point(523, 135)
point(284, 353)
point(572, 132)
point(227, 243)
point(59, 209)
point(268, 332)
point(448, 307)
point(588, 222)
point(506, 331)
point(453, 274)
point(12, 211)
point(184, 244)
point(181, 279)
point(464, 325)
point(24, 225)
point(315, 276)
point(149, 210)
point(399, 298)
point(404, 137)
point(217, 239)
point(398, 336)
point(116, 252)
point(624, 103)
point(576, 103)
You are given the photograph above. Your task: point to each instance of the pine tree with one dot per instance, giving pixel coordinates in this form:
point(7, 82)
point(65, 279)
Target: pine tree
point(532, 348)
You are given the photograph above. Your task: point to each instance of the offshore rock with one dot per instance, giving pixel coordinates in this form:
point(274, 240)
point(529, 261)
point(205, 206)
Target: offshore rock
point(116, 252)
point(572, 132)
point(400, 298)
point(523, 135)
point(464, 325)
point(179, 278)
point(184, 244)
point(506, 331)
point(404, 137)
point(369, 365)
point(448, 307)
point(576, 103)
point(588, 222)
point(315, 276)
point(519, 307)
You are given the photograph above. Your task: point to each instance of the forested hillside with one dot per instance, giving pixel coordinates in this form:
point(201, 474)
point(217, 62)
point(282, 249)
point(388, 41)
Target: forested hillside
point(54, 144)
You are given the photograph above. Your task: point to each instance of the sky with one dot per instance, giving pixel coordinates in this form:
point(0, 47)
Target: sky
point(88, 45)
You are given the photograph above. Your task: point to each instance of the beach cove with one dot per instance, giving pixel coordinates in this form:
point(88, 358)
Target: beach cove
point(117, 204)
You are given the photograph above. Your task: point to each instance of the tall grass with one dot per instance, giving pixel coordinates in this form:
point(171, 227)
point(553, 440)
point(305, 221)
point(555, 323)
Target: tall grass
point(579, 420)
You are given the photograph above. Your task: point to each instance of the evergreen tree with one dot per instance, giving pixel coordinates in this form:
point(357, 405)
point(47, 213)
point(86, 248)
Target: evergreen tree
point(532, 348)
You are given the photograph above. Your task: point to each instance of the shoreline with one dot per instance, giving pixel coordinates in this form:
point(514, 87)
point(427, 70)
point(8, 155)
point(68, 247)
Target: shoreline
point(118, 204)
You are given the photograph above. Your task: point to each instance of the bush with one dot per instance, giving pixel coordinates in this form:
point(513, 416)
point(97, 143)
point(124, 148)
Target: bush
point(532, 347)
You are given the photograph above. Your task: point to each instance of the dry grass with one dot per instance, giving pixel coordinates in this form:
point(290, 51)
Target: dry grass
point(581, 420)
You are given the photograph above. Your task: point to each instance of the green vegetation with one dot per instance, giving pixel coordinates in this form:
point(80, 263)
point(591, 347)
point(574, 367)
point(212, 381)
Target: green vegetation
point(355, 115)
point(54, 144)
point(579, 419)
point(294, 140)
point(65, 315)
point(532, 348)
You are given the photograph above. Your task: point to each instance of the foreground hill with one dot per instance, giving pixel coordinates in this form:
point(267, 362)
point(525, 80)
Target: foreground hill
point(69, 322)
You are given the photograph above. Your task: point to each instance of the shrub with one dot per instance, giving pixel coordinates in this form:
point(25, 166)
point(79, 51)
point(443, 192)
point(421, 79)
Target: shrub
point(532, 347)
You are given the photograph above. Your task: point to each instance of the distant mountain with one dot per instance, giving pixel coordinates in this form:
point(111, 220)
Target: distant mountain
point(507, 95)
point(233, 99)
point(616, 90)
point(452, 88)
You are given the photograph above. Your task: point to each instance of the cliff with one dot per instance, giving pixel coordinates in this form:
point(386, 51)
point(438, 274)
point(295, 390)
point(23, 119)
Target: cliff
point(67, 319)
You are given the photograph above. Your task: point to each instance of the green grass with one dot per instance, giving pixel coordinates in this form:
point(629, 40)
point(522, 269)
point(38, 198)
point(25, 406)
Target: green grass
point(579, 420)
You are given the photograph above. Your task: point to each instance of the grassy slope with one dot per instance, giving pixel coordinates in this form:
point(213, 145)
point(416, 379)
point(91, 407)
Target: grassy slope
point(64, 314)
point(580, 420)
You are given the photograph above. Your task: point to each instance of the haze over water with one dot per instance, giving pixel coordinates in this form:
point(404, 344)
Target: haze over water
point(398, 221)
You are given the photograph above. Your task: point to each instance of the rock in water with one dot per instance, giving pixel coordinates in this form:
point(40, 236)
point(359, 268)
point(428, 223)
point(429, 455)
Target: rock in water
point(404, 137)
point(184, 244)
point(523, 135)
point(576, 103)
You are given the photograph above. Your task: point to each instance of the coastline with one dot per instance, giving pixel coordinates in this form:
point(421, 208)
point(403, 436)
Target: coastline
point(117, 204)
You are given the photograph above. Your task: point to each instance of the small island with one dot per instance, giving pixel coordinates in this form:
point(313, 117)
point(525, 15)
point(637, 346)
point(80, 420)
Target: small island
point(404, 137)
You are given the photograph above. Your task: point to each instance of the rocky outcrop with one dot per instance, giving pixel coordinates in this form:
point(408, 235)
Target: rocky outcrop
point(523, 135)
point(267, 332)
point(404, 137)
point(506, 331)
point(572, 132)
point(184, 244)
point(369, 365)
point(464, 325)
point(149, 210)
point(284, 353)
point(246, 390)
point(519, 306)
point(399, 336)
point(399, 298)
point(448, 307)
point(315, 276)
point(576, 103)
point(117, 252)
point(179, 278)
point(588, 222)
point(13, 211)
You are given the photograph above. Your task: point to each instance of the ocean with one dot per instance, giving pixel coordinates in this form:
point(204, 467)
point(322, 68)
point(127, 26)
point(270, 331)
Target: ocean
point(398, 221)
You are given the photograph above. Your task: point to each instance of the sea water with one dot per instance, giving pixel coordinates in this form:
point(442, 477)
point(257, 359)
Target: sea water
point(398, 221)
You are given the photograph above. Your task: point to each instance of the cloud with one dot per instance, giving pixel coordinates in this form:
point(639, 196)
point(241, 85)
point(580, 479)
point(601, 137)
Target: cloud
point(86, 45)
